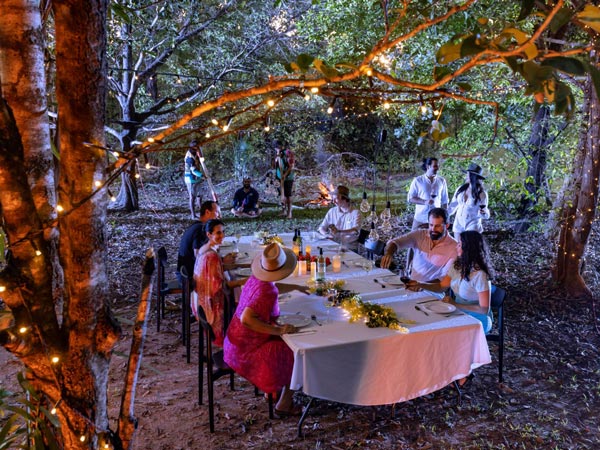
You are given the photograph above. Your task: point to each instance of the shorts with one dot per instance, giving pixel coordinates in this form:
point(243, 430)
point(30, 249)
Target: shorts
point(287, 188)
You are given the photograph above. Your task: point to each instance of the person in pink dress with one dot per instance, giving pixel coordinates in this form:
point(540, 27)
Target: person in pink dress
point(253, 346)
point(211, 289)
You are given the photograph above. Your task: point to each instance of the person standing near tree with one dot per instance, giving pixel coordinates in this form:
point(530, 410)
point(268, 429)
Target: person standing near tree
point(284, 171)
point(193, 176)
point(427, 191)
point(469, 203)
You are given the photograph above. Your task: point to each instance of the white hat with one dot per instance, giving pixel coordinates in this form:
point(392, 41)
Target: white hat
point(274, 263)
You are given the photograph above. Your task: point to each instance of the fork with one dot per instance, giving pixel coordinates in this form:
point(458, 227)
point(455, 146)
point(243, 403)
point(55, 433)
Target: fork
point(379, 282)
point(314, 318)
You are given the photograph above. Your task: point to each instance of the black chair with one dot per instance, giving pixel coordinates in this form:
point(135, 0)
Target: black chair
point(215, 366)
point(497, 306)
point(164, 287)
point(187, 286)
point(374, 248)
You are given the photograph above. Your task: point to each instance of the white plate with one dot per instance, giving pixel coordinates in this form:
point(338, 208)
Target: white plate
point(439, 307)
point(226, 244)
point(244, 271)
point(298, 320)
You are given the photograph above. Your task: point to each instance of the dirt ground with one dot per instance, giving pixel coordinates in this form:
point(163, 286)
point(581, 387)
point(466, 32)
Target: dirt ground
point(550, 398)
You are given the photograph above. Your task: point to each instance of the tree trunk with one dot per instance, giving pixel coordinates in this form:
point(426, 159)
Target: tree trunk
point(537, 151)
point(128, 199)
point(577, 202)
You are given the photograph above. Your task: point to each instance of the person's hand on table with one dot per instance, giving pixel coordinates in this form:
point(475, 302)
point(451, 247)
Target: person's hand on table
point(229, 258)
point(413, 285)
point(287, 329)
point(386, 261)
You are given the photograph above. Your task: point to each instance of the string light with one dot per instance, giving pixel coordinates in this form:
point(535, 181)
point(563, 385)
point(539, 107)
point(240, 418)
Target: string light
point(207, 135)
point(82, 438)
point(314, 90)
point(215, 122)
point(23, 330)
point(271, 102)
point(147, 165)
point(97, 183)
point(2, 288)
point(386, 105)
point(59, 208)
point(54, 359)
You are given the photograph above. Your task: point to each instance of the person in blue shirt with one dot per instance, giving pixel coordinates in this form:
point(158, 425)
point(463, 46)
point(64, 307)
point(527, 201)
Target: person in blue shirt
point(193, 176)
point(245, 200)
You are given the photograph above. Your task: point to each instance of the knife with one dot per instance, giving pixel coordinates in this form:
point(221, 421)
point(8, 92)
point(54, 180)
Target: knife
point(427, 301)
point(422, 310)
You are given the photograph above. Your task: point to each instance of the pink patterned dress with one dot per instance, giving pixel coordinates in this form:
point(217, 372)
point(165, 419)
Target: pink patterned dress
point(264, 360)
point(210, 292)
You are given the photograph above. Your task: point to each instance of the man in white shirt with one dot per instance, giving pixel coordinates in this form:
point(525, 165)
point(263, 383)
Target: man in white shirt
point(342, 222)
point(435, 250)
point(427, 191)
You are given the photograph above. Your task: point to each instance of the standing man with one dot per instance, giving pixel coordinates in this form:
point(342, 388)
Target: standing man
point(435, 250)
point(195, 236)
point(193, 175)
point(284, 171)
point(427, 191)
point(342, 222)
point(245, 200)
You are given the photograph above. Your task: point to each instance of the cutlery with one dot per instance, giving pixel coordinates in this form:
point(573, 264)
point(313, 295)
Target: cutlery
point(428, 301)
point(422, 310)
point(314, 318)
point(303, 332)
point(378, 282)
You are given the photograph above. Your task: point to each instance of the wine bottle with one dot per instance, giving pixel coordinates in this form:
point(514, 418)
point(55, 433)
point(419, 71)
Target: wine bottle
point(321, 265)
point(295, 247)
point(300, 243)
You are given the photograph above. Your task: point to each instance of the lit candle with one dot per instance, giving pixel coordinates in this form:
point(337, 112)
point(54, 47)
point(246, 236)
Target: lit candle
point(301, 268)
point(307, 250)
point(337, 263)
point(313, 270)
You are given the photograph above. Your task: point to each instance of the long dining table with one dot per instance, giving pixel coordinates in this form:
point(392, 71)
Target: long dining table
point(348, 362)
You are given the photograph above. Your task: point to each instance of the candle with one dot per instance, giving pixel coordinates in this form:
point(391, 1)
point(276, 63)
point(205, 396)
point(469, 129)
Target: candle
point(313, 270)
point(337, 263)
point(307, 250)
point(301, 268)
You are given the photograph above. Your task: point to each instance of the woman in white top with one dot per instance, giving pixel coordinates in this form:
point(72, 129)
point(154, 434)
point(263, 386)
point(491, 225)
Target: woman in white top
point(470, 203)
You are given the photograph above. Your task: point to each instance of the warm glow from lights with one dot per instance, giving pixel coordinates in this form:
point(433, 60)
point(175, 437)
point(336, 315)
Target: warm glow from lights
point(423, 109)
point(436, 112)
point(98, 183)
point(271, 102)
point(23, 330)
point(306, 97)
point(207, 135)
point(202, 159)
point(225, 127)
point(267, 128)
point(2, 288)
point(82, 438)
point(369, 72)
point(115, 154)
point(38, 253)
point(137, 175)
point(386, 105)
point(330, 110)
point(59, 208)
point(151, 140)
point(215, 122)
point(314, 90)
point(55, 359)
point(53, 411)
point(113, 198)
point(147, 165)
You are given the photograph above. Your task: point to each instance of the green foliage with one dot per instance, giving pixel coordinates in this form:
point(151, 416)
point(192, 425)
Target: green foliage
point(29, 424)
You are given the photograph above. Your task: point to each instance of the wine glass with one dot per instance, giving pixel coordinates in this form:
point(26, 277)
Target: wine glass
point(237, 236)
point(313, 236)
point(367, 265)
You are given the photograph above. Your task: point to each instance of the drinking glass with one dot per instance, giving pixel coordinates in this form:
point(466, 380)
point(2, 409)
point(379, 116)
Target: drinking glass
point(313, 236)
point(367, 266)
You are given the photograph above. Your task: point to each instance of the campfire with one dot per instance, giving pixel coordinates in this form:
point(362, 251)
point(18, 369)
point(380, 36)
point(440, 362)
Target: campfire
point(323, 196)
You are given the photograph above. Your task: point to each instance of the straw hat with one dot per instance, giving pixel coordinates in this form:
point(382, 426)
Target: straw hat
point(274, 263)
point(475, 169)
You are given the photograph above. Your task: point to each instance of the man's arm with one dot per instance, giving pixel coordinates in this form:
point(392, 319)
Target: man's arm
point(393, 245)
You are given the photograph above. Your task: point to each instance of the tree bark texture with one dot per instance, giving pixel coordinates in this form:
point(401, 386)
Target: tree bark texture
point(577, 214)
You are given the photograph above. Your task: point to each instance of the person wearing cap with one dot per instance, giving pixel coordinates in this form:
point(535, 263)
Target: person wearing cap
point(245, 200)
point(427, 191)
point(193, 176)
point(253, 346)
point(470, 203)
point(211, 289)
point(342, 222)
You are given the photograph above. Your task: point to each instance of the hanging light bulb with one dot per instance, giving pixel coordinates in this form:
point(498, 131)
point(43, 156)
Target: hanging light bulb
point(373, 234)
point(386, 214)
point(373, 216)
point(364, 204)
point(386, 226)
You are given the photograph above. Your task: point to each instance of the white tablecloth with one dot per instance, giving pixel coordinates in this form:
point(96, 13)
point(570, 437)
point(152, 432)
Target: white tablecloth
point(351, 363)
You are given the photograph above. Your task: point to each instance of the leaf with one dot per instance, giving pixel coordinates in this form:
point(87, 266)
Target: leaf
point(450, 51)
point(440, 72)
point(526, 7)
point(304, 61)
point(591, 17)
point(562, 17)
point(465, 87)
point(120, 11)
point(564, 101)
point(470, 46)
point(329, 72)
point(566, 64)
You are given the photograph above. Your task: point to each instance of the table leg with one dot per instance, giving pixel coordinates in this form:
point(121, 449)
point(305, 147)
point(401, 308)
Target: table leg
point(304, 414)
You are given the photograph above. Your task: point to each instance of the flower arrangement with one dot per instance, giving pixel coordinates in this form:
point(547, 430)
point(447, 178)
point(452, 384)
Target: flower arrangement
point(320, 287)
point(375, 315)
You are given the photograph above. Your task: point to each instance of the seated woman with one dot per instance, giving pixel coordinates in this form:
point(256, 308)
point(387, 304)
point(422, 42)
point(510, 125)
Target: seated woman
point(253, 346)
point(469, 279)
point(211, 290)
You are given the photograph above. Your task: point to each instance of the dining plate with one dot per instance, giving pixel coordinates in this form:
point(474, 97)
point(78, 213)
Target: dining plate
point(298, 320)
point(226, 244)
point(244, 271)
point(439, 307)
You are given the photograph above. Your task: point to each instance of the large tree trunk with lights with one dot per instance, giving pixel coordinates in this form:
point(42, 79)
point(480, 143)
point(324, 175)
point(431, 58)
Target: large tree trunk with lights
point(67, 332)
point(578, 200)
